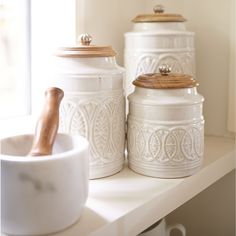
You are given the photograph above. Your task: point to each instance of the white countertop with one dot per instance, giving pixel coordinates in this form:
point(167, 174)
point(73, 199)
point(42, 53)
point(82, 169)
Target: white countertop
point(127, 203)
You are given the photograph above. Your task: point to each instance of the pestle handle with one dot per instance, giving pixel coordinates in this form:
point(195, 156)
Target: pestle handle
point(47, 125)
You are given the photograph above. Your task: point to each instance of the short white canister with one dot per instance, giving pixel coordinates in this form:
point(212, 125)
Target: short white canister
point(94, 102)
point(165, 125)
point(156, 39)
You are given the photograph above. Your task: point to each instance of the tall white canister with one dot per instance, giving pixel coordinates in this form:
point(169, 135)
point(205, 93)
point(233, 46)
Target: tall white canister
point(156, 39)
point(165, 125)
point(94, 102)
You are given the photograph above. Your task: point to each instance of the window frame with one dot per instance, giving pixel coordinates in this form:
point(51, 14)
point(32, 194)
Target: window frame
point(22, 69)
point(40, 51)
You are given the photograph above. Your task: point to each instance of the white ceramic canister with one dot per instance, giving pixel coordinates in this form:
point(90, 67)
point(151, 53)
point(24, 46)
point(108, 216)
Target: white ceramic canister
point(94, 102)
point(157, 39)
point(165, 125)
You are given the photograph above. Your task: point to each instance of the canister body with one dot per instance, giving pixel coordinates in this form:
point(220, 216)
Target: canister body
point(165, 132)
point(94, 107)
point(152, 44)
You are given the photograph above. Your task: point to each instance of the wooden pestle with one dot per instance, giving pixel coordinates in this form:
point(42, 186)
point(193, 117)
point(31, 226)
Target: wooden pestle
point(47, 125)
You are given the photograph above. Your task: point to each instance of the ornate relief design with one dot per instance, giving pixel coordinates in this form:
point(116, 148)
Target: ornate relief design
point(151, 143)
point(173, 62)
point(179, 62)
point(71, 119)
point(100, 117)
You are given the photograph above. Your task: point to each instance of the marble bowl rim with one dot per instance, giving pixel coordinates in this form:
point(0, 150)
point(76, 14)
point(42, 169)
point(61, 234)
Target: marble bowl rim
point(83, 145)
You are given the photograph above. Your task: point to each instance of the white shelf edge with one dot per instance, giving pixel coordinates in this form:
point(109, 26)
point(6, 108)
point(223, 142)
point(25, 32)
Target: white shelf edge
point(119, 206)
point(183, 193)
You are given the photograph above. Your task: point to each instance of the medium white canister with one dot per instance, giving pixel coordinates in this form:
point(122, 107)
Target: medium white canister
point(94, 102)
point(165, 125)
point(156, 39)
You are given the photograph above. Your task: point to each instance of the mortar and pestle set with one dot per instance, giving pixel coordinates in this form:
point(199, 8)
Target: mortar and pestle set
point(44, 178)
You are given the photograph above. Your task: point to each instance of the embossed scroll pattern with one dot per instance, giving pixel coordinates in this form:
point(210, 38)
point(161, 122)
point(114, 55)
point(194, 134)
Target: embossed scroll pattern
point(165, 145)
point(179, 63)
point(100, 117)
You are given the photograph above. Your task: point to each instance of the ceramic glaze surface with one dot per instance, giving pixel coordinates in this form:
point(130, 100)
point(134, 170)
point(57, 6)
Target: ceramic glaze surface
point(165, 132)
point(43, 195)
point(94, 107)
point(100, 118)
point(150, 45)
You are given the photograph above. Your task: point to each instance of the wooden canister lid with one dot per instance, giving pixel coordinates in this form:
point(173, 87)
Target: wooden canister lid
point(159, 16)
point(165, 80)
point(85, 49)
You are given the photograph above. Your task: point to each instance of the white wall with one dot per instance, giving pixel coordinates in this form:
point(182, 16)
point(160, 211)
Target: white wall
point(211, 23)
point(108, 20)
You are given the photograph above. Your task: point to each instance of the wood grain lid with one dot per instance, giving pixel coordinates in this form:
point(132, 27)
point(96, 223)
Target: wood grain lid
point(165, 80)
point(159, 16)
point(85, 50)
